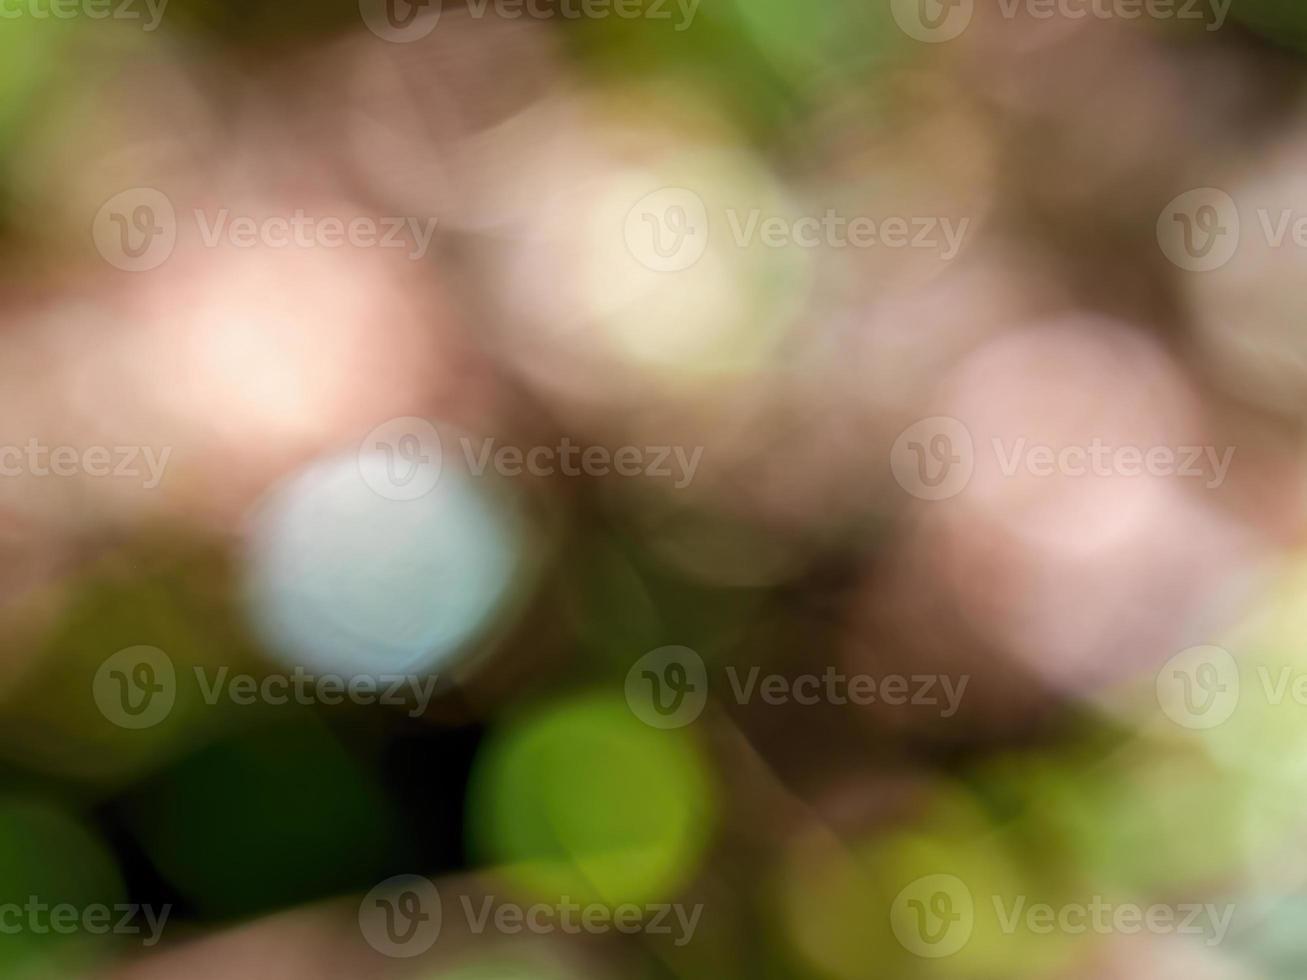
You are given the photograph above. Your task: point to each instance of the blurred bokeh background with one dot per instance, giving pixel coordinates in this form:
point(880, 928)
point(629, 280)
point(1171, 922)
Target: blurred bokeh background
point(425, 428)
